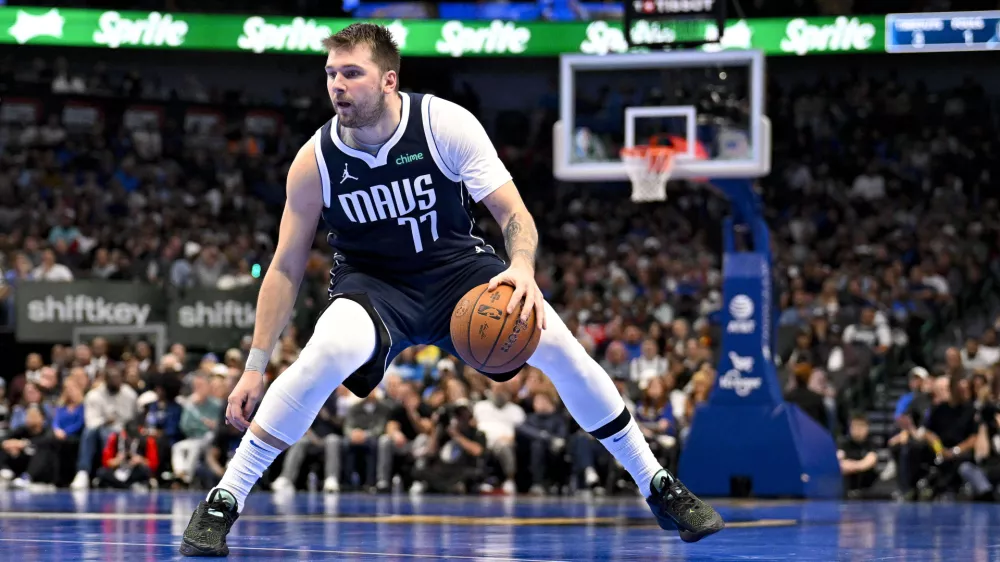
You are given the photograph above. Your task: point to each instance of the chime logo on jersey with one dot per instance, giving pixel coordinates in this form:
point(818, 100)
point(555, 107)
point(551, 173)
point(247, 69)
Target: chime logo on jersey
point(380, 202)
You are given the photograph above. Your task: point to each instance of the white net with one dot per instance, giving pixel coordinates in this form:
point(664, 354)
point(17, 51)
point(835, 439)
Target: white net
point(648, 169)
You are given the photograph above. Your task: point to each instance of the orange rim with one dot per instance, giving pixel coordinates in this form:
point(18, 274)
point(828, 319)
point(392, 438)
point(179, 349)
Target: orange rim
point(659, 157)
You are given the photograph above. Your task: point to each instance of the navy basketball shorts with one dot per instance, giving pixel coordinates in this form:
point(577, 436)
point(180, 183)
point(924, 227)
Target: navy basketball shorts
point(411, 309)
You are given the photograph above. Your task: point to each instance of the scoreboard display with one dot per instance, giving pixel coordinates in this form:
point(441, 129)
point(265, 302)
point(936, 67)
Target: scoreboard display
point(942, 32)
point(672, 23)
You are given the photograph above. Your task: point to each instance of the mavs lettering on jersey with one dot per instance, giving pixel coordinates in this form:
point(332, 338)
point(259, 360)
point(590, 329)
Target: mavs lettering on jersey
point(400, 210)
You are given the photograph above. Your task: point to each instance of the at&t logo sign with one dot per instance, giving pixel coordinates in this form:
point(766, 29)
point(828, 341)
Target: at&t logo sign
point(741, 309)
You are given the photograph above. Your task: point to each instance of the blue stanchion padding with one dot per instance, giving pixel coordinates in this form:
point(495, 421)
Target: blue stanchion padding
point(781, 451)
point(746, 430)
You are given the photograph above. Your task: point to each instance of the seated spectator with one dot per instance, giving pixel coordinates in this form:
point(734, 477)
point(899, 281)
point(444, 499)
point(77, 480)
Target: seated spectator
point(31, 396)
point(616, 365)
point(162, 419)
point(67, 425)
point(857, 458)
point(106, 410)
point(407, 367)
point(163, 415)
point(649, 364)
point(498, 419)
point(655, 417)
point(701, 388)
point(876, 337)
point(199, 419)
point(945, 440)
point(546, 429)
point(808, 401)
point(28, 455)
point(363, 424)
point(219, 453)
point(50, 270)
point(458, 449)
point(406, 434)
point(130, 459)
point(976, 358)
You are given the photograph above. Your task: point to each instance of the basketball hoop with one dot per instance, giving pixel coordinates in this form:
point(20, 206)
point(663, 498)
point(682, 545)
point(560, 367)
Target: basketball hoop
point(648, 168)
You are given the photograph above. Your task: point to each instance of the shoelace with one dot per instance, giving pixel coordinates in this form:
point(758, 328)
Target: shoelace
point(219, 507)
point(680, 498)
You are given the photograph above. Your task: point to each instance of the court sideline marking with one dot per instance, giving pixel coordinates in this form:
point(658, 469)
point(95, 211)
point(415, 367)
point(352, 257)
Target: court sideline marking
point(386, 519)
point(275, 549)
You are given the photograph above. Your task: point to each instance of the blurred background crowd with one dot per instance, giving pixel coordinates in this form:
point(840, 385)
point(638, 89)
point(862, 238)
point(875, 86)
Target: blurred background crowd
point(886, 232)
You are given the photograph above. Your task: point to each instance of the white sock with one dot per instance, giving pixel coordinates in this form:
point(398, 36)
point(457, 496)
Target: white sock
point(252, 458)
point(633, 452)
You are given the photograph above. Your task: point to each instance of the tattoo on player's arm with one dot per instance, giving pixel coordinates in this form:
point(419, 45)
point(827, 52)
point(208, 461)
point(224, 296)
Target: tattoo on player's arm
point(521, 238)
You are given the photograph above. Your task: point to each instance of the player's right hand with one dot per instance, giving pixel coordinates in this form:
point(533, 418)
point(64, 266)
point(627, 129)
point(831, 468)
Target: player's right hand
point(243, 399)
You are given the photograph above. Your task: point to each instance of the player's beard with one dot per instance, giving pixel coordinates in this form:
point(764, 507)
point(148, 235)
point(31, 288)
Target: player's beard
point(362, 114)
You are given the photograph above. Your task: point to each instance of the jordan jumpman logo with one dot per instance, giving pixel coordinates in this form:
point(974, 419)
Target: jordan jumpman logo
point(347, 175)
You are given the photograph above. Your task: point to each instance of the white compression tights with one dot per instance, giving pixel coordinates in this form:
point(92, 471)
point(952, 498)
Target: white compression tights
point(588, 392)
point(344, 339)
point(592, 398)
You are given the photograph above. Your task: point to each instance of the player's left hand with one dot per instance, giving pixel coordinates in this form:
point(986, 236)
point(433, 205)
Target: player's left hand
point(522, 278)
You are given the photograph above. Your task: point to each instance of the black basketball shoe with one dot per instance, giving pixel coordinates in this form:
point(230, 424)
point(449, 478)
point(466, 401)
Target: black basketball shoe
point(675, 507)
point(210, 523)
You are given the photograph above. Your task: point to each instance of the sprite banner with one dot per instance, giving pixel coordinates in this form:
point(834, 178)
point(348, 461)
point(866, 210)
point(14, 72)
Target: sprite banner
point(265, 34)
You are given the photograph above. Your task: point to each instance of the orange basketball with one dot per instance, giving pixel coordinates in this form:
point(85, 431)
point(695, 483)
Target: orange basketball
point(489, 339)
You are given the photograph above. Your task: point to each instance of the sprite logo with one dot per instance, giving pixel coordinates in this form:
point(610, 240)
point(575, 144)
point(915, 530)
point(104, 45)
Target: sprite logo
point(299, 35)
point(844, 34)
point(498, 37)
point(603, 39)
point(28, 26)
point(155, 30)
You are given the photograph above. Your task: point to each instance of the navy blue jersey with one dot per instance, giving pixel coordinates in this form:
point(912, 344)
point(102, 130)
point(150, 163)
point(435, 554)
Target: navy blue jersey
point(400, 210)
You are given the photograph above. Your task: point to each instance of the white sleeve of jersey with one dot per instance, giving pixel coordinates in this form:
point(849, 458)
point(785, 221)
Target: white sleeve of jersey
point(466, 151)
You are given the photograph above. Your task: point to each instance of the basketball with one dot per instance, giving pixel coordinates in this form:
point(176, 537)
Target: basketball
point(486, 337)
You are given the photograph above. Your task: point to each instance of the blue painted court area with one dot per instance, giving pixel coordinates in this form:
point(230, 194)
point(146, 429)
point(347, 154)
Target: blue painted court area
point(119, 526)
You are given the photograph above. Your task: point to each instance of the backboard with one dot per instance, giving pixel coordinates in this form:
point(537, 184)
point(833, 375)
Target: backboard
point(709, 103)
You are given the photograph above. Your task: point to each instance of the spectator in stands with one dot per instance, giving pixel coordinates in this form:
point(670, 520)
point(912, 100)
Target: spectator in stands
point(954, 367)
point(655, 417)
point(68, 422)
point(107, 408)
point(982, 471)
point(947, 440)
point(406, 435)
point(219, 453)
point(407, 367)
point(875, 337)
point(701, 388)
point(857, 458)
point(199, 419)
point(498, 418)
point(810, 402)
point(616, 363)
point(649, 364)
point(546, 430)
point(130, 459)
point(50, 270)
point(976, 358)
point(28, 454)
point(364, 423)
point(30, 397)
point(458, 448)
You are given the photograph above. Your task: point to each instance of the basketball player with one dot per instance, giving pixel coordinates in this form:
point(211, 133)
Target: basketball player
point(393, 175)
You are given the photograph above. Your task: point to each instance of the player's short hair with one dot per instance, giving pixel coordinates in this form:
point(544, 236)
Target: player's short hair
point(384, 50)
